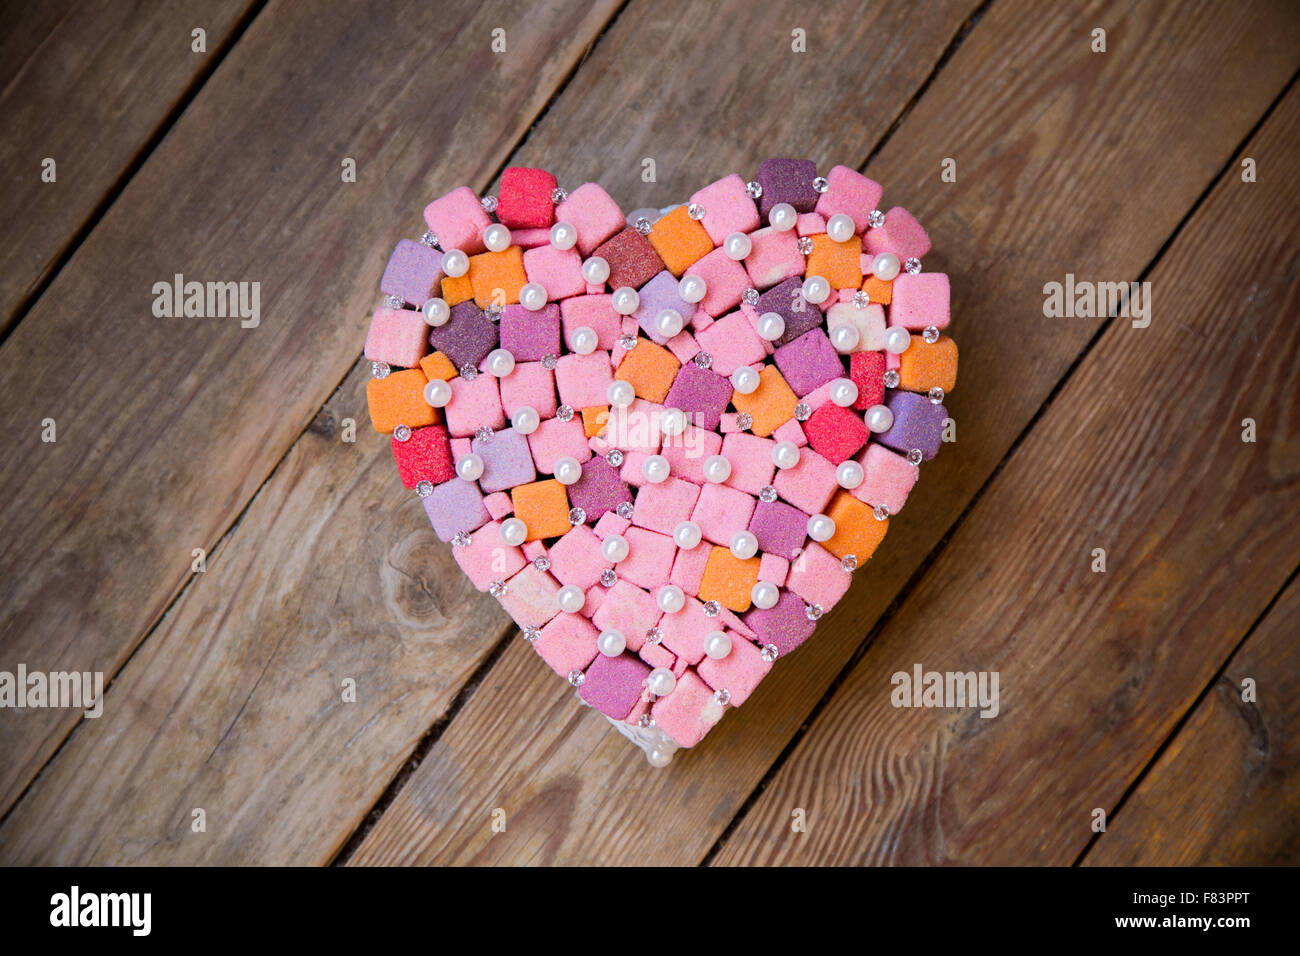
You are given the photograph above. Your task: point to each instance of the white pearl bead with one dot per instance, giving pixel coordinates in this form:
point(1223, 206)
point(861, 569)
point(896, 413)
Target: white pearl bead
point(687, 535)
point(717, 645)
point(659, 757)
point(717, 469)
point(692, 288)
point(620, 393)
point(816, 289)
point(845, 338)
point(455, 263)
point(611, 643)
point(782, 217)
point(885, 266)
point(615, 548)
point(514, 531)
point(564, 235)
point(500, 363)
point(672, 421)
point(570, 598)
point(771, 326)
point(525, 419)
point(436, 311)
point(669, 323)
point(567, 470)
point(841, 228)
point(595, 270)
point(670, 599)
point(626, 300)
point(655, 469)
point(496, 237)
point(661, 682)
point(744, 544)
point(584, 340)
point(737, 245)
point(821, 528)
point(744, 380)
point(843, 392)
point(764, 594)
point(879, 418)
point(437, 393)
point(849, 474)
point(897, 339)
point(470, 467)
point(785, 454)
point(533, 296)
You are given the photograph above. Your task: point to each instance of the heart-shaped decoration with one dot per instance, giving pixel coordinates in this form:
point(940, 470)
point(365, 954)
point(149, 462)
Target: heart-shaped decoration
point(663, 445)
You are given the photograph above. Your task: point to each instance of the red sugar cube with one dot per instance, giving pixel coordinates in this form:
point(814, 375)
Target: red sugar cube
point(525, 198)
point(835, 432)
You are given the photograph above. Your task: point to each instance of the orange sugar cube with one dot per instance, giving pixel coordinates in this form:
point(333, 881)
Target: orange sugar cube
point(728, 579)
point(928, 365)
point(398, 399)
point(436, 365)
point(857, 531)
point(878, 290)
point(497, 276)
point(839, 263)
point(680, 240)
point(543, 507)
point(594, 420)
point(770, 405)
point(651, 369)
point(457, 289)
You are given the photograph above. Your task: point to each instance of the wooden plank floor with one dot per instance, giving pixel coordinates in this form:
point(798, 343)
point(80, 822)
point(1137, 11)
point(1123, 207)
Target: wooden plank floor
point(1118, 688)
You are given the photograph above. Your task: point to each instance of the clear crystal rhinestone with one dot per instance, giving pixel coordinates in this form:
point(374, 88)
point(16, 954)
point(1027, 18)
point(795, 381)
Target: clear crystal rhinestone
point(489, 203)
point(627, 343)
point(379, 369)
point(814, 611)
point(564, 413)
point(461, 540)
point(542, 563)
point(484, 435)
point(577, 516)
point(936, 395)
point(769, 652)
point(615, 457)
point(493, 311)
point(723, 697)
point(393, 301)
point(744, 421)
point(849, 562)
point(428, 239)
point(915, 457)
point(608, 577)
point(753, 189)
point(820, 184)
point(497, 588)
point(891, 378)
point(802, 411)
point(654, 635)
point(861, 300)
point(642, 225)
point(644, 721)
point(624, 509)
point(712, 608)
point(549, 361)
point(695, 211)
point(424, 488)
point(576, 678)
point(805, 244)
point(531, 633)
point(402, 432)
point(880, 513)
point(930, 334)
point(750, 296)
point(703, 359)
point(875, 219)
point(912, 265)
point(559, 194)
point(767, 493)
point(469, 371)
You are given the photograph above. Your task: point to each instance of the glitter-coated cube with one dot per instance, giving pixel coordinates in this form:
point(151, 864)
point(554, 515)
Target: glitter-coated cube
point(559, 271)
point(455, 506)
point(867, 372)
point(613, 685)
point(836, 433)
point(729, 579)
point(475, 403)
point(567, 643)
point(701, 393)
point(818, 577)
point(751, 461)
point(926, 365)
point(770, 405)
point(398, 399)
point(467, 337)
point(779, 527)
point(918, 423)
point(774, 257)
point(731, 342)
point(413, 272)
point(524, 200)
point(787, 301)
point(721, 512)
point(632, 260)
point(530, 335)
point(599, 490)
point(809, 484)
point(857, 531)
point(506, 460)
point(738, 673)
point(651, 369)
point(689, 712)
point(543, 506)
point(497, 277)
point(679, 240)
point(725, 279)
point(786, 624)
point(839, 263)
point(425, 456)
point(809, 362)
point(787, 180)
point(660, 293)
point(888, 477)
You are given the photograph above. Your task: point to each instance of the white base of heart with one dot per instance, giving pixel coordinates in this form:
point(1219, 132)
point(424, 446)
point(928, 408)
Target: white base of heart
point(657, 746)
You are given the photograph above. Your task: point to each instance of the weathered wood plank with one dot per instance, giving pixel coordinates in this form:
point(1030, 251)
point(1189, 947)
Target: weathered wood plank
point(347, 554)
point(87, 85)
point(1142, 455)
point(167, 427)
point(1226, 792)
point(1067, 161)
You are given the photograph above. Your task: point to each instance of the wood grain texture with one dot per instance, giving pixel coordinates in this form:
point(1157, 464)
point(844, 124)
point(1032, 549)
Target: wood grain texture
point(420, 661)
point(1067, 161)
point(1140, 454)
point(87, 85)
point(167, 427)
point(1226, 792)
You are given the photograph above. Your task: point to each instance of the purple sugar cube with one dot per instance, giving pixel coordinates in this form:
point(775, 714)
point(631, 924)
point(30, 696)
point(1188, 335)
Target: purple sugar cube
point(656, 295)
point(787, 180)
point(507, 461)
point(530, 335)
point(413, 272)
point(918, 423)
point(456, 505)
point(809, 362)
point(784, 624)
point(467, 337)
point(599, 490)
point(700, 392)
point(613, 684)
point(786, 300)
point(779, 527)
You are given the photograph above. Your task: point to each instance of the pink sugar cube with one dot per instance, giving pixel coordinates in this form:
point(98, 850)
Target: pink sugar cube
point(558, 270)
point(725, 280)
point(686, 453)
point(591, 211)
point(688, 568)
point(774, 258)
point(555, 439)
point(818, 577)
point(751, 461)
point(888, 478)
point(850, 193)
point(413, 272)
point(487, 558)
point(475, 403)
point(531, 384)
point(611, 523)
point(529, 597)
point(524, 199)
point(398, 337)
point(583, 380)
point(576, 558)
point(685, 632)
point(595, 312)
point(663, 506)
point(731, 342)
point(458, 220)
point(567, 643)
point(792, 431)
point(721, 512)
point(809, 224)
point(689, 712)
point(920, 300)
point(773, 568)
point(727, 208)
point(901, 234)
point(499, 505)
point(656, 655)
point(613, 685)
point(809, 484)
point(636, 427)
point(870, 323)
point(534, 549)
point(683, 347)
point(530, 238)
point(649, 560)
point(629, 609)
point(738, 673)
